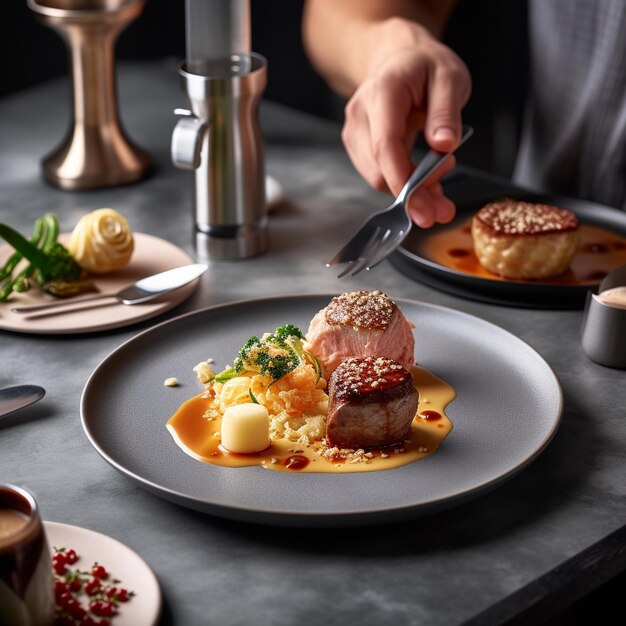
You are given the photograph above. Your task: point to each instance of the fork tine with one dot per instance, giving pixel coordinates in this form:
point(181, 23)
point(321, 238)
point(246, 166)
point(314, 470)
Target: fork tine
point(390, 246)
point(352, 248)
point(361, 256)
point(373, 245)
point(347, 269)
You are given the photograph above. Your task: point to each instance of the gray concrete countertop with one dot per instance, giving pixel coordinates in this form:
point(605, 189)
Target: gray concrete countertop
point(524, 550)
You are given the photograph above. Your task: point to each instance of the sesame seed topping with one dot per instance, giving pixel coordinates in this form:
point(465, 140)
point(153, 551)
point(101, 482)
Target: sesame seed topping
point(361, 309)
point(510, 217)
point(355, 377)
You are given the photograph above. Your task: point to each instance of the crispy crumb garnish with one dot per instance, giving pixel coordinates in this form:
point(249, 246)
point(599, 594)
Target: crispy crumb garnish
point(204, 371)
point(211, 414)
point(349, 455)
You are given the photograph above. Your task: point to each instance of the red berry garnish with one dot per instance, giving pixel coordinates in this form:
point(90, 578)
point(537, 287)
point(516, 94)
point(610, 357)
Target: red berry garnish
point(65, 600)
point(98, 571)
point(93, 586)
point(59, 565)
point(76, 610)
point(71, 557)
point(59, 588)
point(101, 608)
point(73, 587)
point(60, 556)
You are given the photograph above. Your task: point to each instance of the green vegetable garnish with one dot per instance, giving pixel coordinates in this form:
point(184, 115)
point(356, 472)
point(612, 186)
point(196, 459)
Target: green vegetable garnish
point(273, 355)
point(312, 359)
point(50, 264)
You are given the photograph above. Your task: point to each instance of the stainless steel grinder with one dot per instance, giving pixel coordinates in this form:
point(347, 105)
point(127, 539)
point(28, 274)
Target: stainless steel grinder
point(220, 137)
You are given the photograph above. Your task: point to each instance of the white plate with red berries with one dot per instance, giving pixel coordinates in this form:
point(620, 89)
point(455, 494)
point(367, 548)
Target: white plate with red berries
point(100, 581)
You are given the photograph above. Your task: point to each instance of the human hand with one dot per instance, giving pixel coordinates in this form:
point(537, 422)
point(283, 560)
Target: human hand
point(417, 85)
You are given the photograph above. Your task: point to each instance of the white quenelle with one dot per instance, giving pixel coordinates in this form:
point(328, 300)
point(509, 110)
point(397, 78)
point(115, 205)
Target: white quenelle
point(245, 428)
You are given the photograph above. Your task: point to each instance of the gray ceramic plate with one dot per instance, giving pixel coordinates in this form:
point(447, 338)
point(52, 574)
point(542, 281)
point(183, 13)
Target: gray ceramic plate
point(507, 409)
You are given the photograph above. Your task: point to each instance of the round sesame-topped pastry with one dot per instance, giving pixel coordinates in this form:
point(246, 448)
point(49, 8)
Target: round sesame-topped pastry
point(510, 217)
point(371, 403)
point(524, 240)
point(361, 309)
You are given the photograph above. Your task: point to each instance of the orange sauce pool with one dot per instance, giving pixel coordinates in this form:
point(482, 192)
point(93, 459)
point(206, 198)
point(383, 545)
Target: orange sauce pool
point(200, 438)
point(599, 251)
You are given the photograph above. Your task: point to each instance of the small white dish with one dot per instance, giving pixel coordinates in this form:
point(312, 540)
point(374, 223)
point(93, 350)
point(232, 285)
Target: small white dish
point(121, 562)
point(603, 334)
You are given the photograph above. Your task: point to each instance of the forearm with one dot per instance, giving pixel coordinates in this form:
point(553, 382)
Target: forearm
point(345, 39)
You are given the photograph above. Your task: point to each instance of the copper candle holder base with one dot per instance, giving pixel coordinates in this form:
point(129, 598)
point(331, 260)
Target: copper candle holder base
point(96, 151)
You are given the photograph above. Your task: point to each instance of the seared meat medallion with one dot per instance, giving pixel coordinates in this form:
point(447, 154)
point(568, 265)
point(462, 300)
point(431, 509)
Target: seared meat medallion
point(360, 324)
point(372, 402)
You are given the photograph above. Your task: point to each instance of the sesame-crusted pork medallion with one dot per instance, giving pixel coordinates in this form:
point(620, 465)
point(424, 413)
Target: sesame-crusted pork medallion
point(372, 402)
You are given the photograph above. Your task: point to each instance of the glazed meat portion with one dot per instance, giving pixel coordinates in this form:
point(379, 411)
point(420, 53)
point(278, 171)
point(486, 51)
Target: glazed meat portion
point(360, 324)
point(372, 402)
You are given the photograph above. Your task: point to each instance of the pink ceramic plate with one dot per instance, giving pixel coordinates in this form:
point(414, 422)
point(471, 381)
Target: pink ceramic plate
point(151, 255)
point(120, 562)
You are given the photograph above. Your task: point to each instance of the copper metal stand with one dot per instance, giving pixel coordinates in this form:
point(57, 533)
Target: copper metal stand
point(96, 152)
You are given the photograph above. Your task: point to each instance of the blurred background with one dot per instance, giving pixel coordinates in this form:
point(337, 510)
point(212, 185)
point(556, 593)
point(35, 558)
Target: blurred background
point(489, 35)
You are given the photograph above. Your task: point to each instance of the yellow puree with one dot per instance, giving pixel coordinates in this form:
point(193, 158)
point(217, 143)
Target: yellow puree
point(199, 437)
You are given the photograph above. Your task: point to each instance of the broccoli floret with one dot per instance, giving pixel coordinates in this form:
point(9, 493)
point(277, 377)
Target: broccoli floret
point(275, 362)
point(287, 330)
point(59, 265)
point(244, 354)
point(273, 355)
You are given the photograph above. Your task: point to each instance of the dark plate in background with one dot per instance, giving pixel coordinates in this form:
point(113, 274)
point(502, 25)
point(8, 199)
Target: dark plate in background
point(412, 260)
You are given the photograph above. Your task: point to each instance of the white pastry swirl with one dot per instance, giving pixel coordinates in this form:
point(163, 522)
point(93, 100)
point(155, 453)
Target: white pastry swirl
point(102, 241)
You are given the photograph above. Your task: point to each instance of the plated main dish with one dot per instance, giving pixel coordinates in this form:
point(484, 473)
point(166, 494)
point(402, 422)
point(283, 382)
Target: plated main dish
point(523, 241)
point(101, 242)
point(344, 397)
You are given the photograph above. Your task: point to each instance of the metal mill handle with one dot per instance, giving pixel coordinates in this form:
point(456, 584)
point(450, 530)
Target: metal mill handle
point(187, 140)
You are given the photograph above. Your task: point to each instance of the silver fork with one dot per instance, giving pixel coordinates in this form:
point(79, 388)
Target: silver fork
point(386, 229)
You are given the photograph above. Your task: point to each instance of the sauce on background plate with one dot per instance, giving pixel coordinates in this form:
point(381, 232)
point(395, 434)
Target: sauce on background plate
point(599, 251)
point(199, 437)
